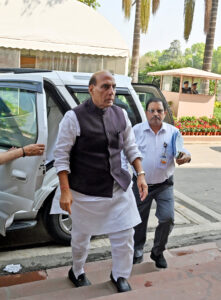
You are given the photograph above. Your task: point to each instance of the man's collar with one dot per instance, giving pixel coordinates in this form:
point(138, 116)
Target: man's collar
point(147, 126)
point(96, 109)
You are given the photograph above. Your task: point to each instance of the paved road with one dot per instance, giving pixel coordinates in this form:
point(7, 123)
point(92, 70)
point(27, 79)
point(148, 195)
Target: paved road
point(201, 179)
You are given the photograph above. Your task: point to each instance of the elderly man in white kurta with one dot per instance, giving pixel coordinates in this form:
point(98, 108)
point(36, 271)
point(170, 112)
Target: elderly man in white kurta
point(95, 190)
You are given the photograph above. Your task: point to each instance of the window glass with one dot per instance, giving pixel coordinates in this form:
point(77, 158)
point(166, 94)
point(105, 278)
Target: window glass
point(81, 97)
point(124, 101)
point(144, 97)
point(18, 124)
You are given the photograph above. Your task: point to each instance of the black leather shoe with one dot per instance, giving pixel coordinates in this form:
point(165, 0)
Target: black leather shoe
point(160, 260)
point(138, 256)
point(121, 284)
point(80, 281)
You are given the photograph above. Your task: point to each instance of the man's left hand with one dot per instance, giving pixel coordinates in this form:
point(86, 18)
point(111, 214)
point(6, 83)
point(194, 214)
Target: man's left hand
point(185, 158)
point(142, 187)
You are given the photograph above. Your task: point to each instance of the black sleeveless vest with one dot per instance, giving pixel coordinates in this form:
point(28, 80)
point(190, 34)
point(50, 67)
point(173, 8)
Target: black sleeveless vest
point(95, 159)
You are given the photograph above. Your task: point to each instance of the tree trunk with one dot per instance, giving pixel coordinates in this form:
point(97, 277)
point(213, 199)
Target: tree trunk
point(136, 44)
point(208, 54)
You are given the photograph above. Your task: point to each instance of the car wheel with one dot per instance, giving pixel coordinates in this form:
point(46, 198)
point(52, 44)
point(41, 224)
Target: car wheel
point(58, 226)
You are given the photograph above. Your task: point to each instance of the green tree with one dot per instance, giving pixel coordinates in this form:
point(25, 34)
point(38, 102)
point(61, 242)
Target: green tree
point(92, 3)
point(172, 54)
point(216, 64)
point(193, 57)
point(170, 58)
point(142, 16)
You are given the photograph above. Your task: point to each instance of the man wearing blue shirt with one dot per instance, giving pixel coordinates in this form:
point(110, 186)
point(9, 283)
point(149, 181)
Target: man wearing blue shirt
point(155, 140)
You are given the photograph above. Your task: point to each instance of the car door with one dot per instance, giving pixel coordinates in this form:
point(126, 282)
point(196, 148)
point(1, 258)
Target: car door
point(23, 121)
point(147, 91)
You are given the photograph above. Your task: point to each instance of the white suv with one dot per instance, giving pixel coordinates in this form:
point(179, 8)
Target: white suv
point(32, 103)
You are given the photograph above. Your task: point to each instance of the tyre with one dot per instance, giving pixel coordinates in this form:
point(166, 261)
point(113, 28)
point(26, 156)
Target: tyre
point(58, 226)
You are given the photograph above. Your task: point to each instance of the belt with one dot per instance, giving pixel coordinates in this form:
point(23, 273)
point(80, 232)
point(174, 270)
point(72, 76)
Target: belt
point(155, 184)
point(167, 181)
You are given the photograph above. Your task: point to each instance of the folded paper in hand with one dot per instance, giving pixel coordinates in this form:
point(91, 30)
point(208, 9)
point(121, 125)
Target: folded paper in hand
point(177, 144)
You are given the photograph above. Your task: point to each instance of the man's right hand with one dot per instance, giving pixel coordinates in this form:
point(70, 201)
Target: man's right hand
point(66, 200)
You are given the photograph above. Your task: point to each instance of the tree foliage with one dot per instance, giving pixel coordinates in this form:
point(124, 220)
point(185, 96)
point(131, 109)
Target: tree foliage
point(126, 7)
point(155, 6)
point(189, 6)
point(142, 17)
point(216, 63)
point(91, 3)
point(173, 58)
point(193, 57)
point(173, 53)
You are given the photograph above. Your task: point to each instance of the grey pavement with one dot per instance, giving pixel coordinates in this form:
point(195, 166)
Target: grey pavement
point(201, 179)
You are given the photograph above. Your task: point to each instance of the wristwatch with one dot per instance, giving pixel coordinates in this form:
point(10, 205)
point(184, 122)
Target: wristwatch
point(141, 173)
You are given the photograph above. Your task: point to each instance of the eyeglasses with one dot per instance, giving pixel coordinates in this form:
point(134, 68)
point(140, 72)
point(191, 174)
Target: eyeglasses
point(152, 111)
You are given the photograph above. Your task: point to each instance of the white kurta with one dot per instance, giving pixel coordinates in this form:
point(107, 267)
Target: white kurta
point(90, 214)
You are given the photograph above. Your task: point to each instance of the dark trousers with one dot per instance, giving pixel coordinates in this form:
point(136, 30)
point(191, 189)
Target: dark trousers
point(163, 195)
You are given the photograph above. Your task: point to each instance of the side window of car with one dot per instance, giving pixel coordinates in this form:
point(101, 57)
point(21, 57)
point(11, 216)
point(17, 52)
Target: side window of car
point(124, 102)
point(18, 123)
point(144, 97)
point(54, 116)
point(82, 96)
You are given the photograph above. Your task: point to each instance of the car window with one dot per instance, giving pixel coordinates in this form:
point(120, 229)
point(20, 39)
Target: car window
point(18, 124)
point(144, 97)
point(81, 97)
point(145, 92)
point(122, 100)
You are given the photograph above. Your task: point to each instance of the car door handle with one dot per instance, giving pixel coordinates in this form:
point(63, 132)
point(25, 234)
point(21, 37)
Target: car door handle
point(20, 175)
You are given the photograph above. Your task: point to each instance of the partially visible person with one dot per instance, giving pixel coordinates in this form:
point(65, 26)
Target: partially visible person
point(194, 88)
point(156, 141)
point(29, 150)
point(186, 89)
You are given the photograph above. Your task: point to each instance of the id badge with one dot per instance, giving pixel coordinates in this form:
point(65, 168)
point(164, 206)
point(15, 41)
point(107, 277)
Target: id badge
point(163, 159)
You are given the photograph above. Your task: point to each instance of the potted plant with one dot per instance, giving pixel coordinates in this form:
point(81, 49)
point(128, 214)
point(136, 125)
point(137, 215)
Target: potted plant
point(203, 130)
point(212, 130)
point(208, 131)
point(191, 130)
point(183, 130)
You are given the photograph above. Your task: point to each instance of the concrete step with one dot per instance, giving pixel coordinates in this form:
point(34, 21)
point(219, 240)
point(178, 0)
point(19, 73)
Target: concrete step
point(191, 281)
point(102, 269)
point(182, 286)
point(170, 255)
point(98, 272)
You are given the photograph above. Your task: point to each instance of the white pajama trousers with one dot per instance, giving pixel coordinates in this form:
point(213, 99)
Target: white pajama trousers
point(122, 248)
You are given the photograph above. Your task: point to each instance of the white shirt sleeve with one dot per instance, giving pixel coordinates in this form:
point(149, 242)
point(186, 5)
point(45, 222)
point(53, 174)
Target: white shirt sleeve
point(69, 129)
point(130, 147)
